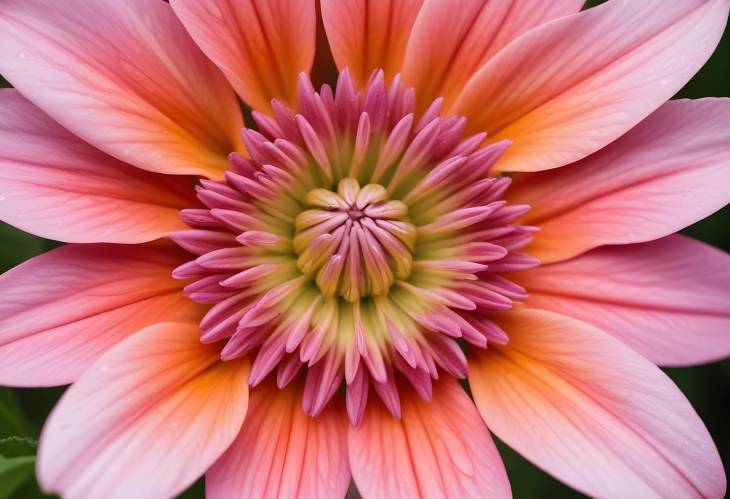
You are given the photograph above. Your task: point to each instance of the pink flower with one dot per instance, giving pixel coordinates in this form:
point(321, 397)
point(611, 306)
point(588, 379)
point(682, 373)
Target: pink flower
point(341, 262)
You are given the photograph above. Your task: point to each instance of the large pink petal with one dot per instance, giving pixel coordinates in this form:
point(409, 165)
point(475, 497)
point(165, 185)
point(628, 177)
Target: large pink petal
point(282, 452)
point(452, 39)
point(590, 411)
point(60, 311)
point(261, 47)
point(667, 173)
point(667, 299)
point(146, 420)
point(54, 185)
point(567, 88)
point(365, 35)
point(437, 450)
point(124, 76)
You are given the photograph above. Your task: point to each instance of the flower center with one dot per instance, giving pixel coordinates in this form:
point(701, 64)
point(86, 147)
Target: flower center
point(358, 244)
point(354, 242)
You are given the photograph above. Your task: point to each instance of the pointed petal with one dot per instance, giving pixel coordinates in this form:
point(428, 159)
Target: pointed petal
point(669, 172)
point(261, 47)
point(147, 418)
point(438, 449)
point(591, 412)
point(452, 39)
point(570, 87)
point(667, 299)
point(365, 35)
point(61, 310)
point(54, 185)
point(281, 452)
point(125, 77)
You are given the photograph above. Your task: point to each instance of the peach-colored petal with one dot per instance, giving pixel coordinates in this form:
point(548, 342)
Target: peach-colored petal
point(54, 185)
point(667, 299)
point(365, 35)
point(146, 420)
point(261, 47)
point(669, 172)
point(588, 410)
point(569, 87)
point(281, 452)
point(452, 39)
point(124, 76)
point(437, 450)
point(60, 311)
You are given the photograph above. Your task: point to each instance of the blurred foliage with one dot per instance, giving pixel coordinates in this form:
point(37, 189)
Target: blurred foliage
point(22, 411)
point(17, 459)
point(14, 472)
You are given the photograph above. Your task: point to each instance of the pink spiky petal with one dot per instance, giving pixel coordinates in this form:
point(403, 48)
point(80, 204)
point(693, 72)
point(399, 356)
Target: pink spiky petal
point(357, 239)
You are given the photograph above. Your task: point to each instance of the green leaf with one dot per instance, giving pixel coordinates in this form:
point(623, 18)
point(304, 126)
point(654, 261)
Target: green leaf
point(196, 491)
point(12, 421)
point(17, 463)
point(12, 447)
point(17, 246)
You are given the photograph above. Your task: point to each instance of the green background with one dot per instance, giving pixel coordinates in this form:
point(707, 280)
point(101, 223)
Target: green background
point(22, 411)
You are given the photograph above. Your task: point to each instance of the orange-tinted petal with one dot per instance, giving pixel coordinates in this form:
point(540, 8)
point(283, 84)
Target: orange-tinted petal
point(281, 452)
point(147, 418)
point(56, 186)
point(452, 39)
point(61, 310)
point(593, 413)
point(125, 77)
point(570, 87)
point(365, 35)
point(437, 450)
point(667, 173)
point(667, 299)
point(261, 47)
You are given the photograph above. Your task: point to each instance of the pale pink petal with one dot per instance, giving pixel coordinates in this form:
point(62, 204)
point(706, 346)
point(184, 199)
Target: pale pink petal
point(452, 39)
point(60, 311)
point(146, 420)
point(669, 172)
point(437, 450)
point(591, 412)
point(261, 47)
point(365, 35)
point(125, 77)
point(666, 299)
point(569, 87)
point(54, 185)
point(281, 452)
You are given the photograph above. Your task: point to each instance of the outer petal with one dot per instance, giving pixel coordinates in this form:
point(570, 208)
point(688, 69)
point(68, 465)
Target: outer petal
point(669, 172)
point(572, 86)
point(281, 452)
point(590, 411)
point(436, 450)
point(124, 76)
point(54, 185)
point(60, 311)
point(146, 419)
point(667, 299)
point(365, 35)
point(260, 46)
point(452, 39)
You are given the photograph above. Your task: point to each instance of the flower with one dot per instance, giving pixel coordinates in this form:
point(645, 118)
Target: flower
point(487, 192)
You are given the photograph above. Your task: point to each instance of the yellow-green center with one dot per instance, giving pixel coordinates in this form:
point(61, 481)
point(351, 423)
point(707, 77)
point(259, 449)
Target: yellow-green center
point(354, 242)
